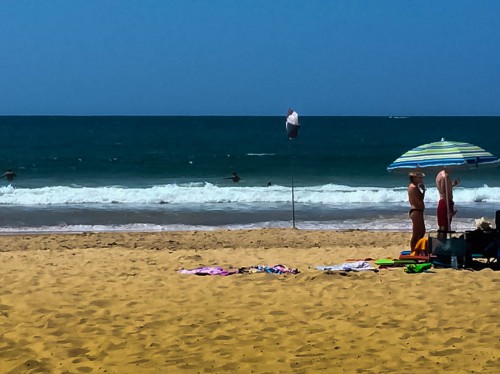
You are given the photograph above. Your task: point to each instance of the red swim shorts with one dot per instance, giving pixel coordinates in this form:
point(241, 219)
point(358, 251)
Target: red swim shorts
point(442, 214)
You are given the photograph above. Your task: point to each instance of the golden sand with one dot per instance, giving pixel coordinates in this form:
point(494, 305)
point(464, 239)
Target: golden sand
point(115, 303)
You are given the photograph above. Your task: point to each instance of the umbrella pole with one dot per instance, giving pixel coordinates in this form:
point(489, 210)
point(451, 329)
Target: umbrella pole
point(293, 194)
point(447, 201)
point(293, 207)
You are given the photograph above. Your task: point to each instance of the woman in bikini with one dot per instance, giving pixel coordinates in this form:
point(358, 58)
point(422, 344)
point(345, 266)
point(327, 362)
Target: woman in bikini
point(416, 193)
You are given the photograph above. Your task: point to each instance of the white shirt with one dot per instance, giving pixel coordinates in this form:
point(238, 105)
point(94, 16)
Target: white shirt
point(293, 119)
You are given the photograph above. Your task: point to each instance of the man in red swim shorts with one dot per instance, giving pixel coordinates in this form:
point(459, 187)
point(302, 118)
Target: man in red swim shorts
point(446, 206)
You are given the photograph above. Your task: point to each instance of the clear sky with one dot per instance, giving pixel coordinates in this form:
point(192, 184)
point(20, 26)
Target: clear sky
point(250, 57)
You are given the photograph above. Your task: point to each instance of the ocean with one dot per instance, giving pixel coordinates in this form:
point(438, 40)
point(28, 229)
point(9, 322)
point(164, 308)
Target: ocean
point(145, 173)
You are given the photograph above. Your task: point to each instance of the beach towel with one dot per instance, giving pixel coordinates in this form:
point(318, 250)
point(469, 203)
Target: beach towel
point(276, 269)
point(215, 270)
point(209, 270)
point(348, 266)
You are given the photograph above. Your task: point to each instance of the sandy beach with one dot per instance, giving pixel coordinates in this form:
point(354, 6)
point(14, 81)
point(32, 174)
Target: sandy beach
point(116, 303)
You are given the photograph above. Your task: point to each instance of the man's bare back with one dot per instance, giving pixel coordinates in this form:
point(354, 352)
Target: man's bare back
point(445, 185)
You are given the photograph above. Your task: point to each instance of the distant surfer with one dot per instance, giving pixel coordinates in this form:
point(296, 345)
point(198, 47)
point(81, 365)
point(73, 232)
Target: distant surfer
point(235, 177)
point(9, 175)
point(292, 124)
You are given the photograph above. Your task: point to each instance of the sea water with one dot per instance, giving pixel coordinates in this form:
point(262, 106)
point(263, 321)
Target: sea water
point(173, 173)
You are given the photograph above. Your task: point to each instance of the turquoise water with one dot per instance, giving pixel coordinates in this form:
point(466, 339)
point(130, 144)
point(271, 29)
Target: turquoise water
point(172, 172)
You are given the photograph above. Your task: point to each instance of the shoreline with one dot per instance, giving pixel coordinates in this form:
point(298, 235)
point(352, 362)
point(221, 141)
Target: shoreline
point(197, 229)
point(400, 223)
point(239, 238)
point(116, 303)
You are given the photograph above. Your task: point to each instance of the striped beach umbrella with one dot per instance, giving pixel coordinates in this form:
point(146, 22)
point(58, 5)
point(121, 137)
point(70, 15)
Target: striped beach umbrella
point(444, 154)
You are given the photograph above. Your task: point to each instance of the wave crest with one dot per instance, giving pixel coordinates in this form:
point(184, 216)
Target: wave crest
point(201, 193)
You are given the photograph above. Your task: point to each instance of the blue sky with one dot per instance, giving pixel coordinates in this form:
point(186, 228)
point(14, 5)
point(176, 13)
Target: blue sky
point(249, 57)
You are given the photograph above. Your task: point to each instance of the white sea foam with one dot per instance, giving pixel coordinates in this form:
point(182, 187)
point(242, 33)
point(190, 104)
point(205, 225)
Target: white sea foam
point(391, 224)
point(201, 193)
point(205, 206)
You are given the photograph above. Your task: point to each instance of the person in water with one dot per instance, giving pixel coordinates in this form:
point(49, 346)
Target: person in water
point(235, 177)
point(9, 175)
point(416, 194)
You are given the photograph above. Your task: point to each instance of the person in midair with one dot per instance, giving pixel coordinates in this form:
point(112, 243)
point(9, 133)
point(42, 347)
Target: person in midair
point(292, 124)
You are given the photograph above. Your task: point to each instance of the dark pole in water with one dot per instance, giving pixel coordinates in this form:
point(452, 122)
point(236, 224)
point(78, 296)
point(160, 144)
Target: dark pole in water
point(292, 129)
point(293, 207)
point(293, 194)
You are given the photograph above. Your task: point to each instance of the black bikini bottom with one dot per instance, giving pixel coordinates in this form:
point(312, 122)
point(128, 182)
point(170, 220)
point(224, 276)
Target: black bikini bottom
point(414, 210)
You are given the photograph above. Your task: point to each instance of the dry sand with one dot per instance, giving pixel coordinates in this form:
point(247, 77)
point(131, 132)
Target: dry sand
point(115, 303)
